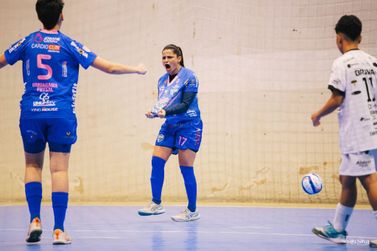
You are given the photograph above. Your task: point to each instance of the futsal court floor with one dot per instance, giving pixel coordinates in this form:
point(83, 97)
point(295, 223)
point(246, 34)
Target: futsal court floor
point(113, 228)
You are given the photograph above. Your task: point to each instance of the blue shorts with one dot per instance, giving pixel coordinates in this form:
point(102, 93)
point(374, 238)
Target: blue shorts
point(181, 136)
point(59, 133)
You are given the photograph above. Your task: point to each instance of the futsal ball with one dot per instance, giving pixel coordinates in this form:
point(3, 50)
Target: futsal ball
point(311, 183)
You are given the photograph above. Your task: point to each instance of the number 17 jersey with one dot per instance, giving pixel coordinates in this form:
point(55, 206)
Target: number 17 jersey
point(50, 66)
point(354, 74)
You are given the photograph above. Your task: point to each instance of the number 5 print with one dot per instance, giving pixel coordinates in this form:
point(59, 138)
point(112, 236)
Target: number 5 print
point(41, 65)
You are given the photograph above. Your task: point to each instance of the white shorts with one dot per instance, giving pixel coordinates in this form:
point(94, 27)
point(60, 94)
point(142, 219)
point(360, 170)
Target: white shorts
point(358, 164)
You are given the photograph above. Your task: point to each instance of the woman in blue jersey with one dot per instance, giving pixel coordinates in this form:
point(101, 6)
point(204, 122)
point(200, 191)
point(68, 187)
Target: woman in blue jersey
point(51, 63)
point(181, 133)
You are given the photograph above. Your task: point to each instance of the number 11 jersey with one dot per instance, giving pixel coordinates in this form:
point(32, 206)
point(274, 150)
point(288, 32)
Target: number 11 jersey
point(354, 75)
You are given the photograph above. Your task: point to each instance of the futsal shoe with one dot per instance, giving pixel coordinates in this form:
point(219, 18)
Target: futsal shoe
point(328, 232)
point(60, 238)
point(186, 216)
point(35, 231)
point(373, 244)
point(151, 209)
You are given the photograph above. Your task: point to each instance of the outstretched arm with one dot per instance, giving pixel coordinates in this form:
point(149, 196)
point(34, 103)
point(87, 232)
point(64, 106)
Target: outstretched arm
point(115, 68)
point(3, 61)
point(332, 103)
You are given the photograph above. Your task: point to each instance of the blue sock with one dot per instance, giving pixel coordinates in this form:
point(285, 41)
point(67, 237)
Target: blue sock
point(33, 191)
point(157, 178)
point(59, 204)
point(190, 184)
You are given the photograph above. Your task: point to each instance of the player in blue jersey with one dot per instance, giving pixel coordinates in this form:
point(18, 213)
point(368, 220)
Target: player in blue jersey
point(50, 64)
point(181, 133)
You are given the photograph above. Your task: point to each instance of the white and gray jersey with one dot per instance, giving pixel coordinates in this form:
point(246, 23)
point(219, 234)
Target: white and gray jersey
point(355, 75)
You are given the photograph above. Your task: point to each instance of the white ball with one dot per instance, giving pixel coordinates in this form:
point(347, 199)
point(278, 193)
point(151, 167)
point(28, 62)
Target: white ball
point(311, 183)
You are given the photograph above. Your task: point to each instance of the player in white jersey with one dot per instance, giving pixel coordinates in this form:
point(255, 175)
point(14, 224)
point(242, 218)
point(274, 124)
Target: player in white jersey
point(353, 85)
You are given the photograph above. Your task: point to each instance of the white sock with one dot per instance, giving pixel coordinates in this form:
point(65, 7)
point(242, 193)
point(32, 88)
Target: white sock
point(342, 216)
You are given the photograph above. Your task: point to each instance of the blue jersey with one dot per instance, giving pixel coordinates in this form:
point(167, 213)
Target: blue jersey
point(50, 66)
point(170, 93)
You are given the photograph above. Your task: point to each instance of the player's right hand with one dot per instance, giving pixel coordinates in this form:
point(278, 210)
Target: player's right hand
point(315, 119)
point(149, 115)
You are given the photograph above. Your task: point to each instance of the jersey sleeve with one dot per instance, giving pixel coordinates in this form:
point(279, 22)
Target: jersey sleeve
point(15, 51)
point(192, 84)
point(338, 77)
point(82, 54)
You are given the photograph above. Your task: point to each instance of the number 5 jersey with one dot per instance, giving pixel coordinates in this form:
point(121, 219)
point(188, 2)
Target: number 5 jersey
point(50, 65)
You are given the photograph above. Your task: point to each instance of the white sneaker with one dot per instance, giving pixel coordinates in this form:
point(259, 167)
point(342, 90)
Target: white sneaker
point(151, 209)
point(186, 216)
point(60, 237)
point(35, 231)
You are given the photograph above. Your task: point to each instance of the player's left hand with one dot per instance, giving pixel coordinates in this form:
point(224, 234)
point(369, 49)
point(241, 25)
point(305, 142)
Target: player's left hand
point(141, 69)
point(161, 113)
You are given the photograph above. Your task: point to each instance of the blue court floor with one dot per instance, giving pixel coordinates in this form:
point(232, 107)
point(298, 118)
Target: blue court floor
point(113, 228)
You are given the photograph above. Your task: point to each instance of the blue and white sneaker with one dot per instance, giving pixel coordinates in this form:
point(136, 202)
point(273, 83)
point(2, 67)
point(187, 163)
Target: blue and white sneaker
point(328, 232)
point(373, 244)
point(151, 209)
point(186, 216)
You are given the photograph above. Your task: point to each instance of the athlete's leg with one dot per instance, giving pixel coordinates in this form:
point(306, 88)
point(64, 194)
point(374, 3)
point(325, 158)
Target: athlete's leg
point(336, 232)
point(33, 185)
point(160, 155)
point(60, 186)
point(59, 162)
point(33, 192)
point(348, 197)
point(59, 180)
point(186, 162)
point(369, 183)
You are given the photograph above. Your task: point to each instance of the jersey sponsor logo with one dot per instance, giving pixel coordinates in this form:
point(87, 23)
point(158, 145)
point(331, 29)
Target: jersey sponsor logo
point(363, 163)
point(79, 50)
point(64, 69)
point(373, 133)
point(160, 138)
point(27, 66)
point(359, 72)
point(51, 40)
point(53, 47)
point(74, 93)
point(45, 87)
point(336, 82)
point(39, 46)
point(45, 100)
point(86, 49)
point(49, 47)
point(38, 38)
point(15, 47)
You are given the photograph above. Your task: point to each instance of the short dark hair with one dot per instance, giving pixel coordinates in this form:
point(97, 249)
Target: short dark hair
point(177, 51)
point(49, 12)
point(350, 26)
